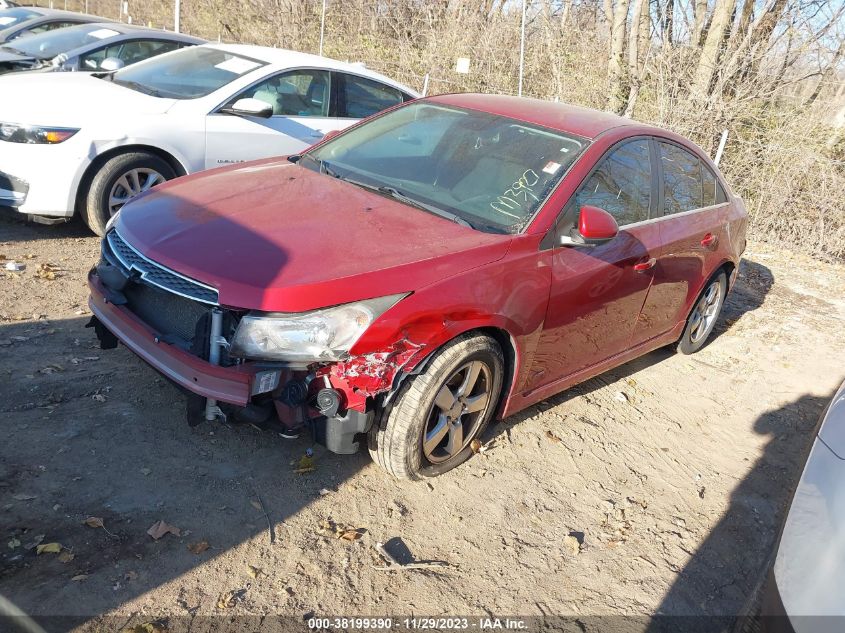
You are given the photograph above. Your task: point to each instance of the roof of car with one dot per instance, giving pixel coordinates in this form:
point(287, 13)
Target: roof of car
point(126, 29)
point(285, 57)
point(576, 120)
point(59, 13)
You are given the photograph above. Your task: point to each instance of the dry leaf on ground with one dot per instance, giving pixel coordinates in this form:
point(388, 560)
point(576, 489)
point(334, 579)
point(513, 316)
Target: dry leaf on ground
point(48, 548)
point(94, 522)
point(66, 556)
point(305, 465)
point(230, 598)
point(160, 528)
point(79, 577)
point(198, 548)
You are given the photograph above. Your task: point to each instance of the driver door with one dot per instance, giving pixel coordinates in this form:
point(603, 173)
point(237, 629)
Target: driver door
point(596, 291)
point(301, 101)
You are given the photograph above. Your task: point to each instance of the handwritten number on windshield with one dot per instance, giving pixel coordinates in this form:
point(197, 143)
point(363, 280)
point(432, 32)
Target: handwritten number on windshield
point(519, 193)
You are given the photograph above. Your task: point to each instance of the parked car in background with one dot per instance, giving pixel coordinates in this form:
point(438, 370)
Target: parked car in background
point(23, 21)
point(89, 48)
point(7, 4)
point(453, 259)
point(89, 143)
point(804, 590)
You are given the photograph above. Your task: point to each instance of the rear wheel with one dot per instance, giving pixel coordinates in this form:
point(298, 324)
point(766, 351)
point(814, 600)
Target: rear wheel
point(705, 313)
point(120, 179)
point(438, 413)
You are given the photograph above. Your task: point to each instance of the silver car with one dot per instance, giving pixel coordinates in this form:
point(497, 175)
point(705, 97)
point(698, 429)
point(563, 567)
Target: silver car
point(805, 592)
point(18, 22)
point(90, 48)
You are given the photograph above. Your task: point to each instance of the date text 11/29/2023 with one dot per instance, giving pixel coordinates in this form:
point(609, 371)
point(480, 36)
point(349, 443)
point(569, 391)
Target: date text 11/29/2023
point(415, 623)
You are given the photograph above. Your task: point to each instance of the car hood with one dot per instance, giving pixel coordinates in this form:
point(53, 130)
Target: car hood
point(277, 237)
point(71, 100)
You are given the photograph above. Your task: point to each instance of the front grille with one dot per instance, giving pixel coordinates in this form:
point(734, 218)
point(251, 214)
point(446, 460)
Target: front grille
point(155, 274)
point(170, 315)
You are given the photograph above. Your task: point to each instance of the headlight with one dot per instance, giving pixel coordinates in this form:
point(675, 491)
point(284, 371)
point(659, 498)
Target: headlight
point(35, 134)
point(307, 337)
point(113, 219)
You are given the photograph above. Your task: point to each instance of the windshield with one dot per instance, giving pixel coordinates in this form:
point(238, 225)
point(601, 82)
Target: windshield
point(11, 17)
point(51, 43)
point(489, 171)
point(187, 74)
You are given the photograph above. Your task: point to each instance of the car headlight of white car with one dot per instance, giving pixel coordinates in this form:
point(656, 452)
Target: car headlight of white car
point(305, 337)
point(35, 134)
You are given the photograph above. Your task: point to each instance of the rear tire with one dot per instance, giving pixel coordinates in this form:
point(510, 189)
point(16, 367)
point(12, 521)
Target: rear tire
point(429, 428)
point(120, 179)
point(705, 312)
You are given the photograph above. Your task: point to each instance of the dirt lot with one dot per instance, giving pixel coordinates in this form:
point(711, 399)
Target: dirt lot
point(671, 472)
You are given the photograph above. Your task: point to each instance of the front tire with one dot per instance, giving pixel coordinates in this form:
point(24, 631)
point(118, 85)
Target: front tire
point(437, 414)
point(120, 179)
point(705, 313)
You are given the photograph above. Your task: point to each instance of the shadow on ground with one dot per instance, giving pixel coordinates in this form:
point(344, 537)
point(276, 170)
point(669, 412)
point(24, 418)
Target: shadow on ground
point(726, 571)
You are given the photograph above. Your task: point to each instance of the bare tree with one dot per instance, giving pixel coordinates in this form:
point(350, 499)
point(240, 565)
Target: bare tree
point(617, 93)
point(713, 47)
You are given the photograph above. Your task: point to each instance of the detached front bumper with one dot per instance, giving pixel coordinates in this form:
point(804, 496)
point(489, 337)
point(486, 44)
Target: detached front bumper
point(234, 385)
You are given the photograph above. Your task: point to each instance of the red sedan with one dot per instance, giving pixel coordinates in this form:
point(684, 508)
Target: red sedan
point(453, 259)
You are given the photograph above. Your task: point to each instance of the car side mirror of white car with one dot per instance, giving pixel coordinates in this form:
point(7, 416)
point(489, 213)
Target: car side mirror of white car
point(110, 64)
point(249, 107)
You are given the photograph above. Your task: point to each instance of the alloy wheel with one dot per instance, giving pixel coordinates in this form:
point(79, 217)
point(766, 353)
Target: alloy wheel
point(458, 410)
point(130, 184)
point(706, 310)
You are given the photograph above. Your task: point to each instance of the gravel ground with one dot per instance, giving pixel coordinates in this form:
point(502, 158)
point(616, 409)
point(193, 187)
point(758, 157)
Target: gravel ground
point(657, 487)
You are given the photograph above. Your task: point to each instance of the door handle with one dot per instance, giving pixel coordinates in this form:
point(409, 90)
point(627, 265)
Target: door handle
point(708, 240)
point(646, 265)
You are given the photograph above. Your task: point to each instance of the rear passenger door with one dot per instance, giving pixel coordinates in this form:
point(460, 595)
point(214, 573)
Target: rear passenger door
point(359, 97)
point(694, 209)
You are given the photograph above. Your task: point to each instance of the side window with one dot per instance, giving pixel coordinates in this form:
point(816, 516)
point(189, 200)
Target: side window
point(362, 97)
point(682, 181)
point(94, 59)
point(295, 93)
point(622, 184)
point(139, 50)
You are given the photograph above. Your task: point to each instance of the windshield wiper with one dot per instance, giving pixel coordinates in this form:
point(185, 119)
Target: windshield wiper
point(401, 197)
point(326, 168)
point(138, 87)
point(322, 165)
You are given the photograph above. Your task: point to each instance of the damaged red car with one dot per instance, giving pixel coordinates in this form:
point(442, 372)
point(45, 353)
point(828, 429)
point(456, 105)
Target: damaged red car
point(401, 284)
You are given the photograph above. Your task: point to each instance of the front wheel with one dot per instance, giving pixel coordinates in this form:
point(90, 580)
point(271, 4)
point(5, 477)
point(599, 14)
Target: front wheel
point(120, 179)
point(438, 413)
point(705, 313)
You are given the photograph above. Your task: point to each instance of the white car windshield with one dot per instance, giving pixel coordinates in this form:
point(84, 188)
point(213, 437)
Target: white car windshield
point(491, 172)
point(186, 74)
point(48, 45)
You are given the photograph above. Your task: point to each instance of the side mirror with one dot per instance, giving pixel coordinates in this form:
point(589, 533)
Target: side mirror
point(250, 107)
point(595, 226)
point(110, 64)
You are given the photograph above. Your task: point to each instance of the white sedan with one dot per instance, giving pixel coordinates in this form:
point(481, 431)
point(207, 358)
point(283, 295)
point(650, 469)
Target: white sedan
point(89, 143)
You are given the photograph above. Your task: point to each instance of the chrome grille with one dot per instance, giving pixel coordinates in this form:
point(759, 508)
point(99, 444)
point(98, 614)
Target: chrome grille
point(156, 274)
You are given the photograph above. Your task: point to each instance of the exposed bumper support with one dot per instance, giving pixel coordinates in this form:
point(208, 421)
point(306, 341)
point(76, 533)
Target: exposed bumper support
point(227, 384)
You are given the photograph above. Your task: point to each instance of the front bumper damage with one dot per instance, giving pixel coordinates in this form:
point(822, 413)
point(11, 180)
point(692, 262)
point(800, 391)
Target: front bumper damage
point(335, 401)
